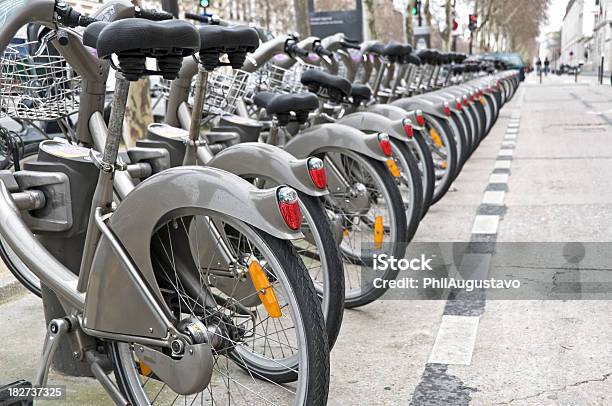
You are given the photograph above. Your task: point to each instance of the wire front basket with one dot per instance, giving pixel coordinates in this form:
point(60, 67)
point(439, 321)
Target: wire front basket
point(225, 87)
point(37, 84)
point(281, 80)
point(224, 90)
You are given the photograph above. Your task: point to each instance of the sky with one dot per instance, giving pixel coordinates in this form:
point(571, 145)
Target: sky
point(556, 12)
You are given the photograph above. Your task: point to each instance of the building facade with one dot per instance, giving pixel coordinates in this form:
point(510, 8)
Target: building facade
point(577, 33)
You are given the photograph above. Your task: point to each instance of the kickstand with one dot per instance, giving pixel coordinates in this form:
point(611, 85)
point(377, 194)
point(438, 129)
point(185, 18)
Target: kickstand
point(56, 330)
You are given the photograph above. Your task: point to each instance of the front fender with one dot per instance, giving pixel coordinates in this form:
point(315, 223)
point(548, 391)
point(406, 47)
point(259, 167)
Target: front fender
point(324, 136)
point(204, 189)
point(371, 122)
point(257, 160)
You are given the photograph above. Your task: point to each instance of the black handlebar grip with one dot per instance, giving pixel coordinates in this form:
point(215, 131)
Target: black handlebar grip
point(300, 52)
point(154, 15)
point(197, 17)
point(322, 51)
point(85, 21)
point(351, 46)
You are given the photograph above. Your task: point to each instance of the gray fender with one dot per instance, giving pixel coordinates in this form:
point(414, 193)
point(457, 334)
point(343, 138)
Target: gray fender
point(371, 122)
point(395, 113)
point(318, 137)
point(387, 110)
point(210, 190)
point(254, 159)
point(426, 106)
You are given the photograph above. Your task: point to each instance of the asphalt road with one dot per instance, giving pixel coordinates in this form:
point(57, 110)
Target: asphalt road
point(553, 186)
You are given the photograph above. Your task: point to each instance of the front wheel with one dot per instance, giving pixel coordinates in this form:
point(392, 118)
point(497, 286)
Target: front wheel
point(257, 345)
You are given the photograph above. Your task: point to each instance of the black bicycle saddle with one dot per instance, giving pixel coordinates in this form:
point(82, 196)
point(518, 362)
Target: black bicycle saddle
point(360, 93)
point(282, 105)
point(135, 39)
point(375, 48)
point(337, 86)
point(234, 41)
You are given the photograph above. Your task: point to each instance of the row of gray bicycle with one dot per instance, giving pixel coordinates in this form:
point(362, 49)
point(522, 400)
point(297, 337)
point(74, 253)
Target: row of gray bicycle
point(212, 261)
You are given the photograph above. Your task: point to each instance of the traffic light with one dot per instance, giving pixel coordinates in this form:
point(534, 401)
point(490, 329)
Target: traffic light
point(204, 3)
point(416, 7)
point(473, 24)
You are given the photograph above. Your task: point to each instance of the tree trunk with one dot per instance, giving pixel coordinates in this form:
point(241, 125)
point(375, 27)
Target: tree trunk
point(448, 32)
point(301, 17)
point(408, 27)
point(371, 18)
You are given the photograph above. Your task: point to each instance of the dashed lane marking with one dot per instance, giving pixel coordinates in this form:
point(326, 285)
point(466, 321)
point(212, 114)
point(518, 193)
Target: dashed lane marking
point(484, 224)
point(498, 178)
point(494, 197)
point(455, 341)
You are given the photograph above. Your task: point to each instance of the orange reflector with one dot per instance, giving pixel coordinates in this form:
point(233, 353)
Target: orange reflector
point(444, 165)
point(263, 288)
point(483, 101)
point(393, 168)
point(143, 369)
point(378, 232)
point(345, 232)
point(436, 137)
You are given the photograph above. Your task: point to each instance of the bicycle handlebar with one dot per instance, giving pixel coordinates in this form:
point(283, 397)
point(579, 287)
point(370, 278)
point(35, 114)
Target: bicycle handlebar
point(152, 14)
point(348, 45)
point(294, 50)
point(321, 51)
point(198, 17)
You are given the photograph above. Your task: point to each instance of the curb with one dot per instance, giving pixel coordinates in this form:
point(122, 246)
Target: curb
point(10, 288)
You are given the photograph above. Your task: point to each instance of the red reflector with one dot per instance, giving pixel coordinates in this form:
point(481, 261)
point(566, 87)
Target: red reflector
point(465, 101)
point(420, 119)
point(447, 109)
point(472, 97)
point(385, 144)
point(458, 104)
point(408, 128)
point(289, 206)
point(317, 172)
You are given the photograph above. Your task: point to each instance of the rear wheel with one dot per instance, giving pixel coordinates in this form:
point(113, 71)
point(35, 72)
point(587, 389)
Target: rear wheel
point(369, 217)
point(421, 152)
point(444, 154)
point(256, 348)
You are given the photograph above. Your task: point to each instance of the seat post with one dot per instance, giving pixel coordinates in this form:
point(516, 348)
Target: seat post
point(191, 149)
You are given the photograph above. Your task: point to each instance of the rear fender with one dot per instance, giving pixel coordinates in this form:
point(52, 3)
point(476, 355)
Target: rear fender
point(207, 190)
point(335, 136)
point(257, 160)
point(426, 106)
point(371, 122)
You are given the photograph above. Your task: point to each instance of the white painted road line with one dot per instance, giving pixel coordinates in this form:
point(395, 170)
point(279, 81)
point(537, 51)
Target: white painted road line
point(503, 164)
point(508, 143)
point(513, 125)
point(494, 197)
point(505, 152)
point(498, 178)
point(455, 341)
point(510, 137)
point(512, 131)
point(485, 224)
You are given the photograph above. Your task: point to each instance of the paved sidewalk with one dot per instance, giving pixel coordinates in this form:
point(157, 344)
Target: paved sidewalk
point(529, 352)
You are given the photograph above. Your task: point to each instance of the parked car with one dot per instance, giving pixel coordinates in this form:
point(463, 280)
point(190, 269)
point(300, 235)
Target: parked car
point(510, 60)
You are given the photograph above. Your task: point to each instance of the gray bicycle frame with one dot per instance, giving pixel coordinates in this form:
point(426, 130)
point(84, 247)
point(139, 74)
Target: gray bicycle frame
point(104, 293)
point(246, 159)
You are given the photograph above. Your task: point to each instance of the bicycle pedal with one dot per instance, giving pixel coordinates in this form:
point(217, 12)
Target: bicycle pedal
point(7, 399)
